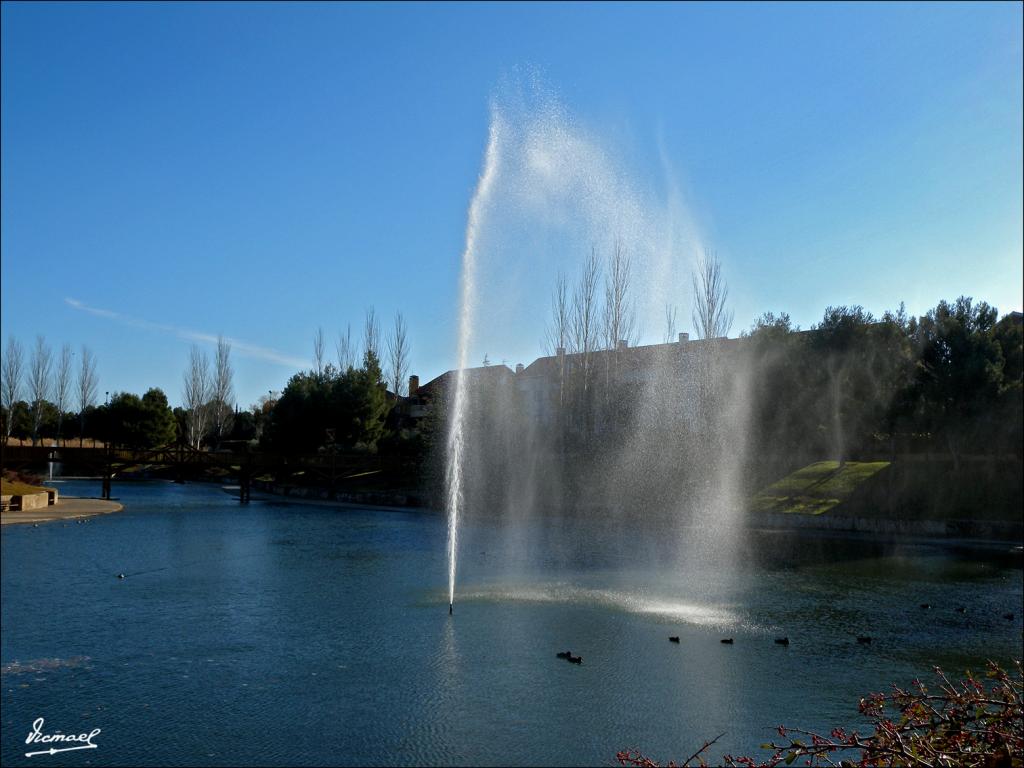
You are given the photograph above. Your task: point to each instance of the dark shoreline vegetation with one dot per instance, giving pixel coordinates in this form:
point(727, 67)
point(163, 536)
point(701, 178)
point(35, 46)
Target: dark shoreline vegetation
point(932, 405)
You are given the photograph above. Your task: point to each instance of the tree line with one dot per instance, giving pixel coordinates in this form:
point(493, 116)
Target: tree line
point(53, 388)
point(947, 381)
point(851, 385)
point(339, 406)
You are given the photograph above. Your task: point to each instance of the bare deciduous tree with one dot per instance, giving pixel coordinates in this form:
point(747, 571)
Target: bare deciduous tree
point(39, 383)
point(12, 371)
point(711, 320)
point(670, 323)
point(318, 352)
point(62, 385)
point(223, 401)
point(619, 320)
point(398, 355)
point(371, 333)
point(584, 340)
point(197, 395)
point(346, 350)
point(558, 330)
point(585, 321)
point(87, 386)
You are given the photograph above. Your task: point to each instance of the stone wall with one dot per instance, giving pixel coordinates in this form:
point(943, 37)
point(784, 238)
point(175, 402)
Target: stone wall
point(999, 530)
point(45, 498)
point(34, 500)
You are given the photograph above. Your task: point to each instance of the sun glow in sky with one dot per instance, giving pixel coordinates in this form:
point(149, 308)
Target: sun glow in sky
point(174, 172)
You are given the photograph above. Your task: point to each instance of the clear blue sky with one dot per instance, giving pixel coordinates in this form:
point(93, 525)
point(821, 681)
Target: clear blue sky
point(261, 170)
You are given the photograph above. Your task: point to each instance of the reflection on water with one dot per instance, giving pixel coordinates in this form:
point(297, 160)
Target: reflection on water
point(306, 635)
point(689, 613)
point(41, 665)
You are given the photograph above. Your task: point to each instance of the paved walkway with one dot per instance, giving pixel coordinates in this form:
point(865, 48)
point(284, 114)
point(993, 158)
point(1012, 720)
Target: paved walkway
point(66, 508)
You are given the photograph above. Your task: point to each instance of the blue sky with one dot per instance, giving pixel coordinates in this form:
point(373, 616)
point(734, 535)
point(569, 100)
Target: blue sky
point(179, 171)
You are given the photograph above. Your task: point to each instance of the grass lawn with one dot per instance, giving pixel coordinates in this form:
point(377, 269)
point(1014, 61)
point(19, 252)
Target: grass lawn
point(816, 488)
point(14, 488)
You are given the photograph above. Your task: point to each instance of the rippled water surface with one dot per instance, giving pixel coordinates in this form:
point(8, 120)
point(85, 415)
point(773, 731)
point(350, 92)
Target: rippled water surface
point(292, 634)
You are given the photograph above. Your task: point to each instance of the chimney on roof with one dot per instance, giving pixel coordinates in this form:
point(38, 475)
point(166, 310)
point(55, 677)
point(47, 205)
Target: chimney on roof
point(683, 338)
point(414, 385)
point(621, 344)
point(519, 367)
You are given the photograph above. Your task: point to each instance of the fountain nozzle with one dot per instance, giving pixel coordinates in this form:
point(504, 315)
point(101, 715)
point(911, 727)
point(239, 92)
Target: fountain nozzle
point(450, 606)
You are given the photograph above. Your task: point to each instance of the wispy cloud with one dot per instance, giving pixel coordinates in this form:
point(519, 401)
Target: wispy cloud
point(243, 348)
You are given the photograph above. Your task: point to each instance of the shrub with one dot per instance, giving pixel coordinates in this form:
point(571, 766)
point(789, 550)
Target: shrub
point(970, 723)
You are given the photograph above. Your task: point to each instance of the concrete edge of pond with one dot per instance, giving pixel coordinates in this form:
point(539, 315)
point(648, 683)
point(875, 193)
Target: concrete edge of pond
point(68, 508)
point(1000, 546)
point(955, 532)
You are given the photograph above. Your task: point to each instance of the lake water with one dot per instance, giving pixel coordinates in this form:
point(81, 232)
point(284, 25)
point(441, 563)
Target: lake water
point(299, 634)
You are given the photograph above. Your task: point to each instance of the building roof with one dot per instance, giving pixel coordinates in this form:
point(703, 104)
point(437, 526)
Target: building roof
point(483, 373)
point(633, 357)
point(548, 366)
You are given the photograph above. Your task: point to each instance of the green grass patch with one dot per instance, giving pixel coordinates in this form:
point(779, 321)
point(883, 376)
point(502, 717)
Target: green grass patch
point(798, 505)
point(817, 488)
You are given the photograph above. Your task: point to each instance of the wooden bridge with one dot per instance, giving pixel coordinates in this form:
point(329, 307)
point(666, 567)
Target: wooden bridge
point(327, 469)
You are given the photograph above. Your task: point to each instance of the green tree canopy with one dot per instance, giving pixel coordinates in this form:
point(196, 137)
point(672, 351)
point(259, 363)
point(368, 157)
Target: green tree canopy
point(140, 422)
point(960, 370)
point(330, 409)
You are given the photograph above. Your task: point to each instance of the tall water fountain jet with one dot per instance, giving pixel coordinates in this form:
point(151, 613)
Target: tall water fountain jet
point(456, 434)
point(658, 453)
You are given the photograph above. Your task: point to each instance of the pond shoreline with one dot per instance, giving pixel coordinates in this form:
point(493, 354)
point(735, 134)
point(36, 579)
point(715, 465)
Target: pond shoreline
point(957, 533)
point(67, 508)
